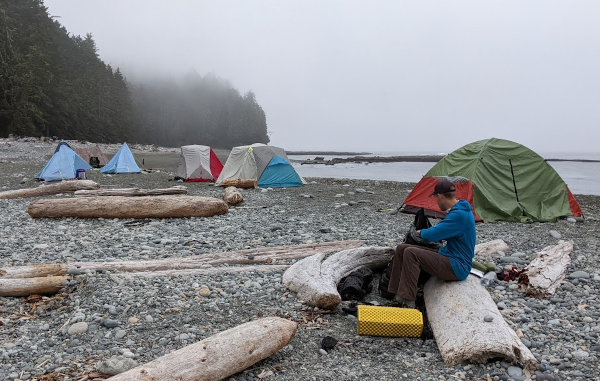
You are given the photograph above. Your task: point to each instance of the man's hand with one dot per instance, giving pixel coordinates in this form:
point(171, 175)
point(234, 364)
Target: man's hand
point(419, 233)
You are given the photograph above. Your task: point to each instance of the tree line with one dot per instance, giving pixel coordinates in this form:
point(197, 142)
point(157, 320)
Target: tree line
point(55, 84)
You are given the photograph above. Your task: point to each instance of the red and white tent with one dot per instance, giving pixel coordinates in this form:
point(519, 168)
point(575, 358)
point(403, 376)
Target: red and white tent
point(198, 163)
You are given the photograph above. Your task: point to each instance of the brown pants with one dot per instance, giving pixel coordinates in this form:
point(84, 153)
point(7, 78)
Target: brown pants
point(409, 260)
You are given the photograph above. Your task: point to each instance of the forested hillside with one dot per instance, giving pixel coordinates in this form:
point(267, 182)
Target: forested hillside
point(54, 84)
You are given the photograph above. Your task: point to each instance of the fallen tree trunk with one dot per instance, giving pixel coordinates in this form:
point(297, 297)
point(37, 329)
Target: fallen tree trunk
point(258, 256)
point(232, 196)
point(132, 192)
point(315, 278)
point(547, 270)
point(218, 356)
point(490, 249)
point(45, 190)
point(30, 286)
point(128, 207)
point(459, 314)
point(239, 183)
point(206, 271)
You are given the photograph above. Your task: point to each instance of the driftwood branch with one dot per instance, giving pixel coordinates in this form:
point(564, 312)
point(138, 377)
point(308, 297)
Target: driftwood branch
point(232, 196)
point(547, 270)
point(30, 286)
point(239, 183)
point(458, 311)
point(128, 207)
point(67, 186)
point(132, 192)
point(315, 278)
point(218, 356)
point(490, 249)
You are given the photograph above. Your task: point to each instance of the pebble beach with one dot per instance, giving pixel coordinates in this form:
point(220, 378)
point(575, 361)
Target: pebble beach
point(101, 321)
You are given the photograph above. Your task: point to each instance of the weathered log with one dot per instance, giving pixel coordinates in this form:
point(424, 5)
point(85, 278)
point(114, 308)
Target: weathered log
point(218, 356)
point(30, 286)
point(67, 186)
point(257, 256)
point(205, 271)
point(128, 207)
point(232, 196)
point(457, 313)
point(490, 249)
point(239, 183)
point(132, 192)
point(315, 278)
point(547, 270)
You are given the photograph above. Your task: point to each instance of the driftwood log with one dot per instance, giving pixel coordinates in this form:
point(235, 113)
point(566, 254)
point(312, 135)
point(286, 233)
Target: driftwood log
point(490, 249)
point(315, 278)
point(128, 207)
point(547, 270)
point(239, 183)
point(218, 356)
point(132, 192)
point(30, 286)
point(232, 196)
point(457, 313)
point(67, 186)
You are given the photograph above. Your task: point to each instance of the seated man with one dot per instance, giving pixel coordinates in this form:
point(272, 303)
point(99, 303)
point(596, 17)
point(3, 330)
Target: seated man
point(452, 262)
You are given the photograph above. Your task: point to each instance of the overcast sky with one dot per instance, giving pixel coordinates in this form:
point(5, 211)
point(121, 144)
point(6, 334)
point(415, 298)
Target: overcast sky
point(413, 76)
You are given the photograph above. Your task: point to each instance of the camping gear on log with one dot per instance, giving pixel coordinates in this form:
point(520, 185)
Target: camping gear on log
point(67, 186)
point(356, 285)
point(220, 355)
point(389, 321)
point(198, 163)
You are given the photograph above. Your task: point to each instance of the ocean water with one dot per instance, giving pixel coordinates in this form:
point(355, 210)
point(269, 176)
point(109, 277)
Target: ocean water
point(581, 177)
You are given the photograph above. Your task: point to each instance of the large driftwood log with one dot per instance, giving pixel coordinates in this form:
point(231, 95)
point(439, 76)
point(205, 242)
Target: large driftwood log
point(68, 186)
point(257, 256)
point(547, 270)
point(218, 356)
point(490, 249)
point(132, 192)
point(239, 183)
point(128, 207)
point(456, 312)
point(315, 278)
point(232, 196)
point(30, 286)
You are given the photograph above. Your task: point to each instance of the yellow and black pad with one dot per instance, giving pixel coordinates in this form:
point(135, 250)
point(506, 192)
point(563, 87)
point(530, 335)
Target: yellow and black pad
point(389, 321)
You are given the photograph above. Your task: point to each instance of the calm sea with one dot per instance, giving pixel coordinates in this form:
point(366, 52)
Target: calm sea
point(581, 178)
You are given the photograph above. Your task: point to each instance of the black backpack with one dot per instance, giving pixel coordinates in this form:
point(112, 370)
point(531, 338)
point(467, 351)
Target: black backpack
point(356, 285)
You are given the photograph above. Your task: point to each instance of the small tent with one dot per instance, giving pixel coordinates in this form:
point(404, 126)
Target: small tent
point(62, 165)
point(198, 163)
point(267, 164)
point(122, 162)
point(502, 180)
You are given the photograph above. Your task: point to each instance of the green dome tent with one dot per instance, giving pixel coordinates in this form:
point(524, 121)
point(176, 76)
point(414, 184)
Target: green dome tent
point(502, 180)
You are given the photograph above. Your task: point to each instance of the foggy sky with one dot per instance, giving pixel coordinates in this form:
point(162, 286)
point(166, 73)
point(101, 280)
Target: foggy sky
point(417, 76)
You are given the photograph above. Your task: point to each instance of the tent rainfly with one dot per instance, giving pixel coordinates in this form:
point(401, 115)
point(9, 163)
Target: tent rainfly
point(62, 165)
point(198, 163)
point(122, 162)
point(268, 165)
point(502, 180)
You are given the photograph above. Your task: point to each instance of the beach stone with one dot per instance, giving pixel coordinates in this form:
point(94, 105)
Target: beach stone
point(204, 291)
point(116, 365)
point(78, 328)
point(120, 334)
point(571, 219)
point(546, 377)
point(109, 323)
point(133, 320)
point(579, 274)
point(514, 371)
point(580, 355)
point(488, 318)
point(40, 246)
point(555, 234)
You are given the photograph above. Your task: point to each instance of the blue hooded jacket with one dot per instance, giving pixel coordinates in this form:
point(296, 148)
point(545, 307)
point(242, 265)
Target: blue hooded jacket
point(458, 229)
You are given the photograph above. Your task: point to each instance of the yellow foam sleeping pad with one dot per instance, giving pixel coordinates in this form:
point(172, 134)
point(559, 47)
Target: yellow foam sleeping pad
point(389, 321)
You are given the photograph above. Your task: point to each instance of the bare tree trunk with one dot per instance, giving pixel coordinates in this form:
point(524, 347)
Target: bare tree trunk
point(30, 286)
point(460, 314)
point(547, 270)
point(68, 186)
point(315, 278)
point(232, 196)
point(128, 207)
point(218, 356)
point(132, 192)
point(239, 183)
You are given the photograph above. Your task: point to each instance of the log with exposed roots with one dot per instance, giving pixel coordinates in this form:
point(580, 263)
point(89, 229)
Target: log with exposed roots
point(315, 278)
point(459, 314)
point(232, 196)
point(29, 286)
point(132, 192)
point(67, 186)
point(239, 183)
point(128, 207)
point(547, 270)
point(220, 355)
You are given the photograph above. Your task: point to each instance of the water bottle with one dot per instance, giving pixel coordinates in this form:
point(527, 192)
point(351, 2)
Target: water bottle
point(488, 278)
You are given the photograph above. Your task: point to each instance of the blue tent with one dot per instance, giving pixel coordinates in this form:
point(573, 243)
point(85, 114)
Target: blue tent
point(122, 162)
point(279, 173)
point(62, 165)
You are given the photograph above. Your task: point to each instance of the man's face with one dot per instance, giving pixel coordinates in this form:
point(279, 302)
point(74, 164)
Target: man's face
point(441, 201)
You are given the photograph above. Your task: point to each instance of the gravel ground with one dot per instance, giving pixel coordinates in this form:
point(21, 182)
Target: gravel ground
point(101, 316)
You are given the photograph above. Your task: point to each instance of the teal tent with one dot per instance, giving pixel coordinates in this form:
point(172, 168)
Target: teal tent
point(279, 173)
point(63, 165)
point(122, 162)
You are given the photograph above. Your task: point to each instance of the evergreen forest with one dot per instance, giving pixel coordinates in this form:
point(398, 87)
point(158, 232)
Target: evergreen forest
point(54, 84)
